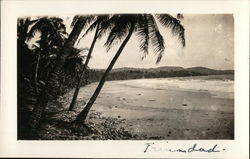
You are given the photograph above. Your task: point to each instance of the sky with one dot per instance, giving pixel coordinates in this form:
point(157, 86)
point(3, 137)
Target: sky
point(209, 43)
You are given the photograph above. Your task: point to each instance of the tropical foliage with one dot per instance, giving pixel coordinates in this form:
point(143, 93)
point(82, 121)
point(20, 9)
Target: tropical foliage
point(33, 79)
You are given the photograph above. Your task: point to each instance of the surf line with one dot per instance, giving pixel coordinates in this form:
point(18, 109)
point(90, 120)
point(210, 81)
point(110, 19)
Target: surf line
point(152, 147)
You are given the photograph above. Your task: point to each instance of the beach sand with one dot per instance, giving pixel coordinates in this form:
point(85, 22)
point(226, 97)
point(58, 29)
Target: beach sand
point(163, 113)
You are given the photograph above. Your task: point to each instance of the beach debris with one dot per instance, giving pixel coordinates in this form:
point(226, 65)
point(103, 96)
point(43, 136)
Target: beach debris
point(139, 94)
point(150, 119)
point(151, 100)
point(120, 98)
point(169, 133)
point(155, 137)
point(184, 104)
point(123, 120)
point(119, 116)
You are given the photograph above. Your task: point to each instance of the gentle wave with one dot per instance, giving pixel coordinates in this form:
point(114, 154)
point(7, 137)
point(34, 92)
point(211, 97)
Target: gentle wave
point(218, 88)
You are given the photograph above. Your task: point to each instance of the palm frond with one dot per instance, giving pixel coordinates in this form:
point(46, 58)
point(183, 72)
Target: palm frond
point(75, 19)
point(155, 37)
point(34, 29)
point(90, 28)
point(52, 29)
point(174, 24)
point(106, 25)
point(120, 29)
point(33, 21)
point(142, 30)
point(56, 19)
point(179, 16)
point(87, 20)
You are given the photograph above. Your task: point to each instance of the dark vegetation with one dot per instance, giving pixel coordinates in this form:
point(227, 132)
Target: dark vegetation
point(36, 65)
point(160, 72)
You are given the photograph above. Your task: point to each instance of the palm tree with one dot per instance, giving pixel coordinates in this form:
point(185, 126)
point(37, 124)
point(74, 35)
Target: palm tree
point(99, 21)
point(53, 34)
point(49, 91)
point(145, 26)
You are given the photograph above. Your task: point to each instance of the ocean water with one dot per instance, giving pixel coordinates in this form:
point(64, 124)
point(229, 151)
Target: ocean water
point(217, 88)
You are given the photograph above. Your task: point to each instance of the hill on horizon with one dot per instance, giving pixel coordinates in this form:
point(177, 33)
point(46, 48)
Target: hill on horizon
point(200, 69)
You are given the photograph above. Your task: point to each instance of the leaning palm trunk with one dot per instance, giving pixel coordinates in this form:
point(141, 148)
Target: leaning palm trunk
point(50, 90)
point(83, 115)
point(36, 73)
point(73, 102)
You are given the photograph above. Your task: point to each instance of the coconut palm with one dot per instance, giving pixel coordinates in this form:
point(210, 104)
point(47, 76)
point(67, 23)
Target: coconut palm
point(49, 90)
point(29, 58)
point(53, 34)
point(99, 21)
point(145, 27)
point(52, 30)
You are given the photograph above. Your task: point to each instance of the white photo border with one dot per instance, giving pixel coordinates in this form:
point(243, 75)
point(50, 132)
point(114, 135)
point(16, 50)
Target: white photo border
point(11, 147)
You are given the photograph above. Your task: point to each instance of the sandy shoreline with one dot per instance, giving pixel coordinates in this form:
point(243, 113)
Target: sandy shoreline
point(163, 114)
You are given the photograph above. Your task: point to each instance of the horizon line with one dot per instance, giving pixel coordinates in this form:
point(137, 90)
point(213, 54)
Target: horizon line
point(164, 66)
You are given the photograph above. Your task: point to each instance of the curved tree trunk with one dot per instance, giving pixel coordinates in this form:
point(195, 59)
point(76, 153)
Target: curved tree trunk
point(83, 115)
point(36, 73)
point(49, 91)
point(73, 102)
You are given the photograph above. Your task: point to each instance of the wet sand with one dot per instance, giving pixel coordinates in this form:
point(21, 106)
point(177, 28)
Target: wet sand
point(164, 113)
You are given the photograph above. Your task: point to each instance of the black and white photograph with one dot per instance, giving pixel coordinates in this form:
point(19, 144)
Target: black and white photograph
point(155, 81)
point(126, 76)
